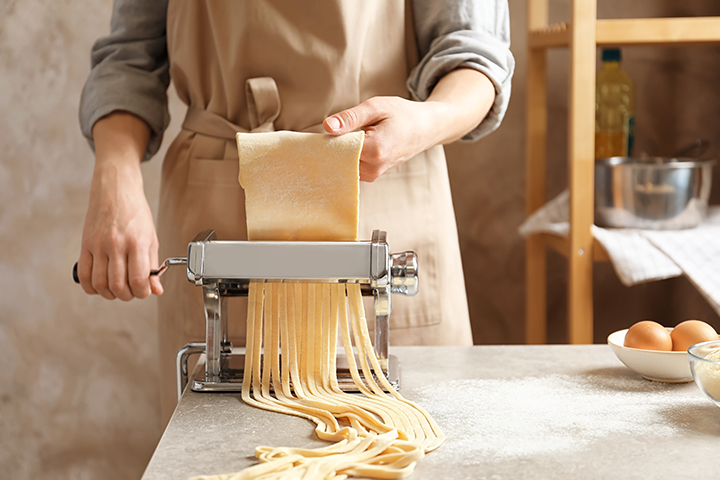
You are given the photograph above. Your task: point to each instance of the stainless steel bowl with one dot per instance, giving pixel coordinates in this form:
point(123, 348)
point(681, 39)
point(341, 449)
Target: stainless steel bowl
point(654, 192)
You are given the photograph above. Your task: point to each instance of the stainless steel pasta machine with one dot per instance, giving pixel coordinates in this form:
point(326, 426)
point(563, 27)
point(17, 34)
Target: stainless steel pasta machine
point(224, 269)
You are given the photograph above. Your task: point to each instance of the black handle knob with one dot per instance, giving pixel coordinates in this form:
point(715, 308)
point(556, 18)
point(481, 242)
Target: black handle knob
point(164, 266)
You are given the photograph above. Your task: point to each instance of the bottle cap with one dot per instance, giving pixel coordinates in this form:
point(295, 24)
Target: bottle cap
point(611, 55)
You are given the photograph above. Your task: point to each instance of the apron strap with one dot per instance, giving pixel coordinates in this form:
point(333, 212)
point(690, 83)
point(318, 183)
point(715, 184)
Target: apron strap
point(263, 102)
point(209, 123)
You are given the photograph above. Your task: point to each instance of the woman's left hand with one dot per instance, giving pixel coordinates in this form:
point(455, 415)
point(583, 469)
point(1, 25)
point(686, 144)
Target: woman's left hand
point(397, 129)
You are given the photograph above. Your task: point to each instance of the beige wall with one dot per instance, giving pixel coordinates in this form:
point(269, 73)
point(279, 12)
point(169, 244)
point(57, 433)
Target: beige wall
point(78, 380)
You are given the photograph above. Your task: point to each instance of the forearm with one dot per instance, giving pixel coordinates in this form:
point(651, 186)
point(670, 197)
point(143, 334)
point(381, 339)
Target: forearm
point(120, 138)
point(120, 141)
point(460, 100)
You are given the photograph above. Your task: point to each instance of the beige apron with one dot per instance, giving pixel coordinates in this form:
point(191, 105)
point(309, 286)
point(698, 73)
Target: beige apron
point(306, 61)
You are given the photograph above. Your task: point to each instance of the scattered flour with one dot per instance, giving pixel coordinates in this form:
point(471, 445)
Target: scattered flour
point(543, 415)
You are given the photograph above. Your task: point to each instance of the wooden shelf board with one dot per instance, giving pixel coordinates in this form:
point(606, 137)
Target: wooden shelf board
point(562, 246)
point(554, 36)
point(635, 31)
point(658, 31)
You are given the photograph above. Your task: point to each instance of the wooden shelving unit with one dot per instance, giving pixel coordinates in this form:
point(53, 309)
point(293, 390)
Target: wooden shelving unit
point(582, 35)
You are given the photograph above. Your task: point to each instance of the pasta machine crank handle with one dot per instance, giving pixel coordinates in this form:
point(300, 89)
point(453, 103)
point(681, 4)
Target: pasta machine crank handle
point(169, 262)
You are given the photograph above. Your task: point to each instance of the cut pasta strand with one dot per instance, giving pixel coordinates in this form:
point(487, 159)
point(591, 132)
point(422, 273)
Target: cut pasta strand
point(290, 368)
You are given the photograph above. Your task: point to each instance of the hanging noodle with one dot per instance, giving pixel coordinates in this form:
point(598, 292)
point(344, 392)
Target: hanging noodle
point(375, 434)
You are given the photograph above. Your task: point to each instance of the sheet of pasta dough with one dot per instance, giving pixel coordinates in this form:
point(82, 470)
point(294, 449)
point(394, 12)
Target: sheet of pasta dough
point(300, 186)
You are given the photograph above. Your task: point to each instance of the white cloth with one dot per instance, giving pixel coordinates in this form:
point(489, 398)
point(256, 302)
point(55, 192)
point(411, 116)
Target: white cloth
point(640, 256)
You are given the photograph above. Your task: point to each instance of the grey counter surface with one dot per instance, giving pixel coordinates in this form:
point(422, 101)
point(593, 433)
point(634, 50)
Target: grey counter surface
point(509, 412)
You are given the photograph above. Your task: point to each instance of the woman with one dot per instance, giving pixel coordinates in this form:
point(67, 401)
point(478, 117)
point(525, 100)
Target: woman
point(413, 76)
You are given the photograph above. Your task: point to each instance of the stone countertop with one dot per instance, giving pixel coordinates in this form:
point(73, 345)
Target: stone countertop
point(509, 412)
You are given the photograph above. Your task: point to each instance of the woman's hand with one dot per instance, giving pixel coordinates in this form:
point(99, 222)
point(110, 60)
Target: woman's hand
point(119, 244)
point(397, 129)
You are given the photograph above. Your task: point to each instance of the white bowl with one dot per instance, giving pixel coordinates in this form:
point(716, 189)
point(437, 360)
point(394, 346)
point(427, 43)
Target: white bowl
point(668, 367)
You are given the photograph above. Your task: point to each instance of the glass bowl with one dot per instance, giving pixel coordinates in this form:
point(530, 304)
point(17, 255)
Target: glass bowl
point(667, 367)
point(705, 367)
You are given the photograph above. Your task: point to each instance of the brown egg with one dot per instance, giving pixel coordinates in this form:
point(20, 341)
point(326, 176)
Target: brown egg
point(648, 335)
point(691, 332)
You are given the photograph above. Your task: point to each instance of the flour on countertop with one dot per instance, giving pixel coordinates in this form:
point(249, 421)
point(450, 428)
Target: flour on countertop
point(542, 415)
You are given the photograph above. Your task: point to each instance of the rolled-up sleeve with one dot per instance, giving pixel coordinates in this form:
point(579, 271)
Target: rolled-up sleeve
point(469, 34)
point(130, 70)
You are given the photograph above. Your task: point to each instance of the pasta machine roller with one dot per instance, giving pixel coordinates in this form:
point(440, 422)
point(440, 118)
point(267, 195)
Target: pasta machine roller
point(225, 268)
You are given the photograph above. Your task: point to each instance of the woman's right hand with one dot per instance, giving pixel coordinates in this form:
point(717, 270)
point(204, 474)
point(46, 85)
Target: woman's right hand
point(119, 243)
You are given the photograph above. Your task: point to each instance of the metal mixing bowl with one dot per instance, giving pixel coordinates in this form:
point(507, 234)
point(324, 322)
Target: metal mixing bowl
point(654, 192)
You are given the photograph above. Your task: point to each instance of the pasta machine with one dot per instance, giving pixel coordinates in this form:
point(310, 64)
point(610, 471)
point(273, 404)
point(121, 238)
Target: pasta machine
point(225, 268)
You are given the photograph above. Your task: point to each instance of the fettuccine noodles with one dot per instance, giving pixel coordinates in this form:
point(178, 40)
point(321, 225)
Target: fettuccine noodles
point(375, 434)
